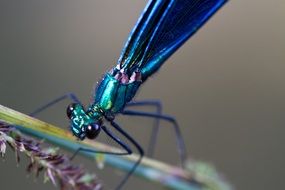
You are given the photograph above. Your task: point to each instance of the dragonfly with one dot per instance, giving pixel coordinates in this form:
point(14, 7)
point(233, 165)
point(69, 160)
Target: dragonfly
point(161, 29)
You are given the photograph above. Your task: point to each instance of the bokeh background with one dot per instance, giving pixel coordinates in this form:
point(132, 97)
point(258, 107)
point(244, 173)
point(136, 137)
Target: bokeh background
point(225, 85)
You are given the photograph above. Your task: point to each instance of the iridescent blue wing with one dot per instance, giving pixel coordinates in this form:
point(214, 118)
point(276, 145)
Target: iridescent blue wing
point(163, 27)
point(142, 32)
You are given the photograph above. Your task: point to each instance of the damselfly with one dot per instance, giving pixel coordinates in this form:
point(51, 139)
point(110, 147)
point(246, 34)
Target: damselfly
point(162, 28)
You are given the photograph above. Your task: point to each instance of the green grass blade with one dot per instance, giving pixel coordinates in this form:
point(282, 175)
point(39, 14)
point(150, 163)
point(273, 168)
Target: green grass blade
point(150, 169)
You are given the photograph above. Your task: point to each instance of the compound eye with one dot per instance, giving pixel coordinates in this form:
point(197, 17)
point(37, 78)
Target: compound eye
point(92, 131)
point(70, 109)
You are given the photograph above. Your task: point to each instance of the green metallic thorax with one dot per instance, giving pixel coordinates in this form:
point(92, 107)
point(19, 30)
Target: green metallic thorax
point(113, 92)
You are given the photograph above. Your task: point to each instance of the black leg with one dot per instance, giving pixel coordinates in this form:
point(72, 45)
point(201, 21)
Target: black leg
point(155, 129)
point(69, 95)
point(179, 138)
point(114, 137)
point(138, 147)
point(123, 145)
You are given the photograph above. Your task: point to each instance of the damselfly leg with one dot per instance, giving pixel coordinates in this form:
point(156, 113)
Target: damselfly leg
point(138, 147)
point(172, 120)
point(123, 145)
point(55, 101)
point(113, 137)
point(153, 138)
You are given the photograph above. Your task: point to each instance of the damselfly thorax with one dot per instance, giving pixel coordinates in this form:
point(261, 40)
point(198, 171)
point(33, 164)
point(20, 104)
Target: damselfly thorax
point(116, 89)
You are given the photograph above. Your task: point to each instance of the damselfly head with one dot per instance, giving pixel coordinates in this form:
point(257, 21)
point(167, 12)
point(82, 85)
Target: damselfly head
point(81, 124)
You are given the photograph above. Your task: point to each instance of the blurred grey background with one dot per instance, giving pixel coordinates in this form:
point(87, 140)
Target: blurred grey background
point(225, 85)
